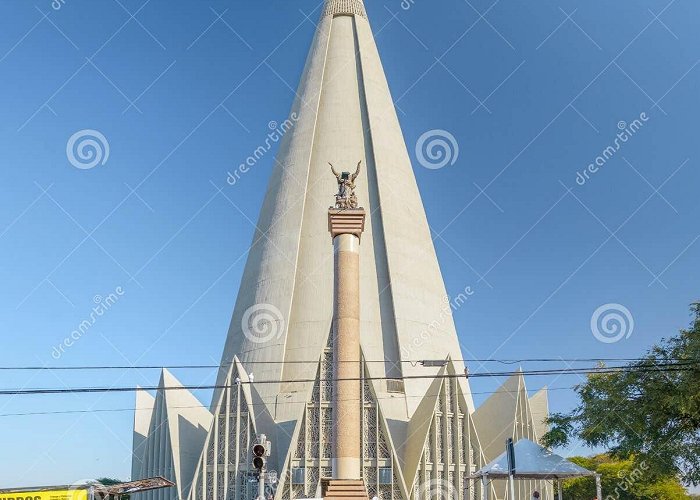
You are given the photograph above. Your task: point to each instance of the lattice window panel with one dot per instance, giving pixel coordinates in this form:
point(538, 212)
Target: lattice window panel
point(326, 472)
point(298, 491)
point(221, 439)
point(367, 393)
point(301, 441)
point(243, 439)
point(284, 490)
point(210, 485)
point(440, 439)
point(384, 492)
point(369, 422)
point(431, 444)
point(448, 395)
point(313, 432)
point(370, 477)
point(395, 489)
point(316, 392)
point(312, 477)
point(463, 439)
point(220, 485)
point(232, 476)
point(327, 432)
point(210, 451)
point(382, 447)
point(452, 446)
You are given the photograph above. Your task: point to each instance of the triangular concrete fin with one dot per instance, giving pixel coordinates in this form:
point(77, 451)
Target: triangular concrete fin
point(495, 418)
point(419, 426)
point(143, 414)
point(539, 406)
point(188, 421)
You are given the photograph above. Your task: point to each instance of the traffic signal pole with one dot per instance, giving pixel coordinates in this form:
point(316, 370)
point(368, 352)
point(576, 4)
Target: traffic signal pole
point(261, 450)
point(261, 484)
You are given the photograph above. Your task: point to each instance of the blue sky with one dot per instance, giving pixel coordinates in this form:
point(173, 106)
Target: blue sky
point(533, 92)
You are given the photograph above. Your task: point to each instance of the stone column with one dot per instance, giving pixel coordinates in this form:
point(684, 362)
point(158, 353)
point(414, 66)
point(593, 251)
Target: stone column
point(346, 228)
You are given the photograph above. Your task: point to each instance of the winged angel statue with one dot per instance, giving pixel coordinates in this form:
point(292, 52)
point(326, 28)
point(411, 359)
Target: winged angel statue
point(346, 198)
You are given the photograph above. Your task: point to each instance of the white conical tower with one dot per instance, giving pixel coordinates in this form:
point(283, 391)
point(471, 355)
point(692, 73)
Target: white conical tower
point(344, 113)
point(280, 328)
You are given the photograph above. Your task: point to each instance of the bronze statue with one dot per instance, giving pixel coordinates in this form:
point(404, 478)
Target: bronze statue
point(346, 197)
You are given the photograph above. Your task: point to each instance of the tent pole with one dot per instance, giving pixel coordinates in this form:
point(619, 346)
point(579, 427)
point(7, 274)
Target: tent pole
point(559, 489)
point(485, 487)
point(598, 487)
point(511, 487)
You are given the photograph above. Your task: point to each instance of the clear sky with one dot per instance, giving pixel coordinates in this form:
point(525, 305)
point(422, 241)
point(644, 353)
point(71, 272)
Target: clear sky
point(184, 91)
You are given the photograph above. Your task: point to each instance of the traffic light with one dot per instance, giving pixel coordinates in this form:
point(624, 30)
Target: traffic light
point(261, 450)
point(259, 456)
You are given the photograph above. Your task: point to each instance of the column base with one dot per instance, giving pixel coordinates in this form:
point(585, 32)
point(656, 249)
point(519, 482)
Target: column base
point(343, 489)
point(346, 468)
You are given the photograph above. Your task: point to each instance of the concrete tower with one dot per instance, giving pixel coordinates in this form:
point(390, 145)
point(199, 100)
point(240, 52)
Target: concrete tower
point(283, 315)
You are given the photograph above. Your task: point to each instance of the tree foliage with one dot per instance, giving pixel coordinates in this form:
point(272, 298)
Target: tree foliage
point(623, 480)
point(648, 413)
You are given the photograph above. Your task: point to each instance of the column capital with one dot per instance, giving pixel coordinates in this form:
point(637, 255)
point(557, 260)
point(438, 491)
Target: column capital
point(346, 221)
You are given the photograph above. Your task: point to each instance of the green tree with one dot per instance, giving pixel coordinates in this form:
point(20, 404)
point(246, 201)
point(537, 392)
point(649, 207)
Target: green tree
point(623, 480)
point(648, 412)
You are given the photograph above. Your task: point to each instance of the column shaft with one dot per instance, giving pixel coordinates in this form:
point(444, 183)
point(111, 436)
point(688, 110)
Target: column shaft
point(346, 342)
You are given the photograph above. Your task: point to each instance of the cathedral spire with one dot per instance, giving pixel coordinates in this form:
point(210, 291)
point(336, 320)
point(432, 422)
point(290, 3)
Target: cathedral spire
point(344, 7)
point(344, 114)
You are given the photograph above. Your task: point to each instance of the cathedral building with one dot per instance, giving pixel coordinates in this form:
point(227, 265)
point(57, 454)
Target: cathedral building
point(419, 435)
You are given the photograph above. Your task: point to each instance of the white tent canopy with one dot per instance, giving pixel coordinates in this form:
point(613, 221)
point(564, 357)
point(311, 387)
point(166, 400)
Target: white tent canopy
point(533, 461)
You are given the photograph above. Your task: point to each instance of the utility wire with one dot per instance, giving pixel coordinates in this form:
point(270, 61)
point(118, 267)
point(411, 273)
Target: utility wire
point(661, 367)
point(114, 410)
point(412, 362)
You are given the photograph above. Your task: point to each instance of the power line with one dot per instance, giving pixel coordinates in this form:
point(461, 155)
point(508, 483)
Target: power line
point(661, 367)
point(114, 410)
point(411, 362)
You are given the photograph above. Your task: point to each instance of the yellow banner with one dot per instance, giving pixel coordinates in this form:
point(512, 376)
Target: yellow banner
point(46, 495)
